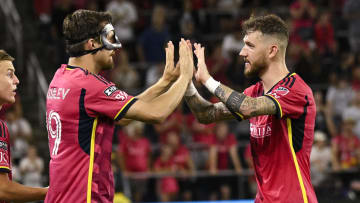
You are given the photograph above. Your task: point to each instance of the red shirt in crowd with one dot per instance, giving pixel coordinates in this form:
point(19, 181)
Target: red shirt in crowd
point(136, 153)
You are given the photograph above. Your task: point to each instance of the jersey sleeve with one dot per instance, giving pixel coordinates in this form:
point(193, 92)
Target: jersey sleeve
point(289, 103)
point(5, 166)
point(108, 100)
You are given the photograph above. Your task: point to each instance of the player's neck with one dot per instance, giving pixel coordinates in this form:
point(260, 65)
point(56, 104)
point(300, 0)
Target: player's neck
point(275, 73)
point(86, 62)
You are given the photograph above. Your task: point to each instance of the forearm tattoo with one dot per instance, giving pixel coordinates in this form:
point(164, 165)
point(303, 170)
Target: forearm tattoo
point(234, 101)
point(207, 112)
point(247, 106)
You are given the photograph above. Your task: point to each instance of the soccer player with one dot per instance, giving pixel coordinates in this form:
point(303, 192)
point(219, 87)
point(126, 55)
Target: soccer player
point(280, 107)
point(10, 190)
point(82, 108)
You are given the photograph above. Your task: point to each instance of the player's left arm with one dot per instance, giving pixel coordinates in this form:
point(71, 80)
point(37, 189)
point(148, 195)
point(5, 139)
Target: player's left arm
point(244, 105)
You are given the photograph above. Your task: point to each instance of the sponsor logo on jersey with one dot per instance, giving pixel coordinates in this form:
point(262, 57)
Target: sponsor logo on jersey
point(260, 131)
point(110, 90)
point(3, 145)
point(282, 91)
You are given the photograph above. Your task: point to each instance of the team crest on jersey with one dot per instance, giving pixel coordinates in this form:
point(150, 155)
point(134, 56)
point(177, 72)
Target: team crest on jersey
point(281, 91)
point(3, 145)
point(110, 90)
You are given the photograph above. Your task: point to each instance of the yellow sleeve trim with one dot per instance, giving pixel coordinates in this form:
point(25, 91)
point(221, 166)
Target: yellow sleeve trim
point(5, 167)
point(298, 172)
point(239, 114)
point(123, 107)
point(91, 164)
point(280, 109)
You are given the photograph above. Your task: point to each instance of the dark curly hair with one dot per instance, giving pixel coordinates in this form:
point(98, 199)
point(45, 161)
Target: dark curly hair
point(269, 25)
point(82, 25)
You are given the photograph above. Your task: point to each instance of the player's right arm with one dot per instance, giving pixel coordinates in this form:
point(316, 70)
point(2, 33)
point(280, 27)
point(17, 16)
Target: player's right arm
point(159, 108)
point(205, 111)
point(13, 191)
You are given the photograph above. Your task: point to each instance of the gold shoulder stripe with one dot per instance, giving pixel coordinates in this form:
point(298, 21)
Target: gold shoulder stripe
point(303, 191)
point(280, 109)
point(91, 164)
point(123, 107)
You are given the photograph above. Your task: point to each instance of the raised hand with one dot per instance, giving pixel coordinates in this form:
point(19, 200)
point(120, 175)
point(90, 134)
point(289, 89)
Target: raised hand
point(202, 73)
point(186, 60)
point(171, 73)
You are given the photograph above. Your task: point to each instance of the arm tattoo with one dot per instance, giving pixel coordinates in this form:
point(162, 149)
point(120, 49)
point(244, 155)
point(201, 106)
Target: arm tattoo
point(247, 106)
point(207, 112)
point(234, 101)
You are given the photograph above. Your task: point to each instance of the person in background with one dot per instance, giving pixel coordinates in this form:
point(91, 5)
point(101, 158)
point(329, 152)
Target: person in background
point(134, 157)
point(10, 190)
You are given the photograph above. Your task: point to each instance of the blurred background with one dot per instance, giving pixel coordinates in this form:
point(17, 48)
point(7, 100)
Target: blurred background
point(181, 159)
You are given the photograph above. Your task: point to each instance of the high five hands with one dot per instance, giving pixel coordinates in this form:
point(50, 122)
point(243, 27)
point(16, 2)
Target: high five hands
point(185, 65)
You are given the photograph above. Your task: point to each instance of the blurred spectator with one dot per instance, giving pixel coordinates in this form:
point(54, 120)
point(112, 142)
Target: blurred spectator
point(323, 119)
point(345, 148)
point(184, 163)
point(134, 156)
point(152, 41)
point(303, 14)
point(217, 64)
point(226, 146)
point(203, 137)
point(232, 43)
point(250, 164)
point(60, 10)
point(352, 14)
point(153, 73)
point(324, 34)
point(167, 186)
point(320, 159)
point(356, 78)
point(353, 112)
point(339, 97)
point(124, 75)
point(31, 168)
point(124, 15)
point(174, 123)
point(20, 129)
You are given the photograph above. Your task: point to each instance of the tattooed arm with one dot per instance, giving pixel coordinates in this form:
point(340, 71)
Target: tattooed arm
point(244, 105)
point(205, 111)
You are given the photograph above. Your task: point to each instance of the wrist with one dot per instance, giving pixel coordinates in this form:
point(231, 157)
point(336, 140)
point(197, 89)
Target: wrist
point(191, 90)
point(212, 84)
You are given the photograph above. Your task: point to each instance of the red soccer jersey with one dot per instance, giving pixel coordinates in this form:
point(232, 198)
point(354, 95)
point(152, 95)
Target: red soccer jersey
point(136, 154)
point(5, 160)
point(181, 157)
point(223, 148)
point(281, 144)
point(168, 184)
point(347, 150)
point(81, 109)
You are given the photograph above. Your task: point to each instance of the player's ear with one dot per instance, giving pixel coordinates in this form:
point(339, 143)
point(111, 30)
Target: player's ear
point(273, 50)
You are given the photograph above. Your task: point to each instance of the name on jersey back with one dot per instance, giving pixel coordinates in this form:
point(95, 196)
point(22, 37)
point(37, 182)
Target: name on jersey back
point(57, 93)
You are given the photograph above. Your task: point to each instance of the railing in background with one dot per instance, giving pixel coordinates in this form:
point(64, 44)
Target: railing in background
point(14, 30)
point(35, 76)
point(37, 79)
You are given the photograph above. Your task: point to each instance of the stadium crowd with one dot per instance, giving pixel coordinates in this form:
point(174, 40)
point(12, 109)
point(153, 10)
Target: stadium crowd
point(186, 160)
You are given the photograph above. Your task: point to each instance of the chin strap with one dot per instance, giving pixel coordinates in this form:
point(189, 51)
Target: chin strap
point(81, 53)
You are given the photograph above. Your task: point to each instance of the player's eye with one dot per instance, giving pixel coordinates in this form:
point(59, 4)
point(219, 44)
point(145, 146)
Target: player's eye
point(10, 74)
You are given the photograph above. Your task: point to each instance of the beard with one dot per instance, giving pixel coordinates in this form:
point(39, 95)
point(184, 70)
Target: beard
point(255, 69)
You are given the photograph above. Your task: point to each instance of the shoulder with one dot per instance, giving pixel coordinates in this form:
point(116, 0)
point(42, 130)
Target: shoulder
point(254, 90)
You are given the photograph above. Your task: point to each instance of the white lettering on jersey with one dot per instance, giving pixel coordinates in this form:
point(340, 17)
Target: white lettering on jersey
point(260, 131)
point(54, 120)
point(3, 158)
point(57, 93)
